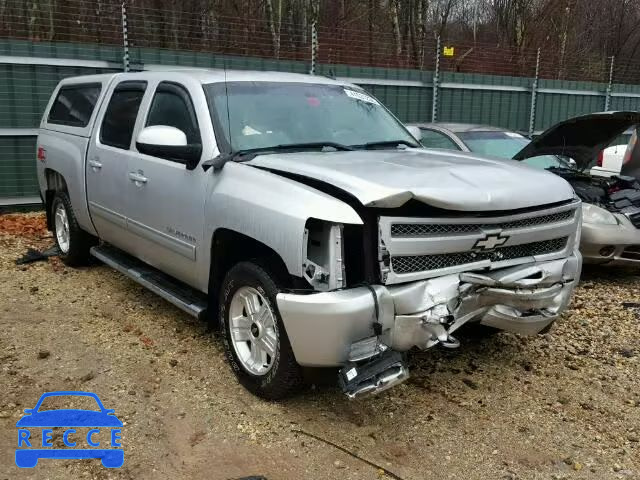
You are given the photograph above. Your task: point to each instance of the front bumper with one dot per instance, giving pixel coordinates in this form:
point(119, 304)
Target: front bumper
point(523, 299)
point(611, 244)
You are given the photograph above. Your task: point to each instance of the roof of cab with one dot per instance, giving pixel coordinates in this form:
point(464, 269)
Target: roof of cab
point(102, 77)
point(205, 76)
point(219, 75)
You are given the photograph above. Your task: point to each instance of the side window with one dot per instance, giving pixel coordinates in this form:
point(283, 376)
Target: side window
point(120, 117)
point(433, 139)
point(172, 106)
point(74, 104)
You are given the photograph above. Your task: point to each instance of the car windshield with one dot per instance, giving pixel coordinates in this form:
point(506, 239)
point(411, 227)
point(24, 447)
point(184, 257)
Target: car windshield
point(505, 144)
point(261, 115)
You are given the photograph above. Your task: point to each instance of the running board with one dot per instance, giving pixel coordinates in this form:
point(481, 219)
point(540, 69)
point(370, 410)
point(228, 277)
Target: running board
point(179, 294)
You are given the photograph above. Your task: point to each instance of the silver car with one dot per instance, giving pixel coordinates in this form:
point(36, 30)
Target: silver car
point(611, 208)
point(300, 217)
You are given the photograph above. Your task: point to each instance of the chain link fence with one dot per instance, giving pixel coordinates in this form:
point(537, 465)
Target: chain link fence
point(420, 76)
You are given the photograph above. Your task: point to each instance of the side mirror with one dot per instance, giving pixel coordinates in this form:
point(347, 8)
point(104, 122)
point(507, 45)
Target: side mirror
point(28, 410)
point(169, 142)
point(415, 132)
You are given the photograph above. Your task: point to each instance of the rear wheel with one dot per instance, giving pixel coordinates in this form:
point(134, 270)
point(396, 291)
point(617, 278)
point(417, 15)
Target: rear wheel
point(255, 340)
point(73, 242)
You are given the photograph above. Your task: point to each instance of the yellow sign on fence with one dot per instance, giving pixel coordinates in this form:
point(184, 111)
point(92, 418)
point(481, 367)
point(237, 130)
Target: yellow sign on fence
point(448, 51)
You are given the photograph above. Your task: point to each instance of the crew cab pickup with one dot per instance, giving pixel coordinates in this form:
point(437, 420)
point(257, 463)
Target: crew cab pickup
point(302, 219)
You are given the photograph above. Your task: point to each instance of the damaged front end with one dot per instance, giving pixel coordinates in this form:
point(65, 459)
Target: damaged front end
point(518, 300)
point(338, 328)
point(514, 272)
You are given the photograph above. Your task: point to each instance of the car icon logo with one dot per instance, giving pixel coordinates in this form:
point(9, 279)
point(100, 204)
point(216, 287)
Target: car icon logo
point(34, 444)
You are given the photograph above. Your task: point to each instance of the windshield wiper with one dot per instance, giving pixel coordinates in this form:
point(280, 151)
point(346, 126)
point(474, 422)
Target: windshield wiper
point(386, 143)
point(250, 153)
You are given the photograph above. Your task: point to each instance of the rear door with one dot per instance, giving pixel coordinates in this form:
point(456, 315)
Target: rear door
point(107, 162)
point(165, 199)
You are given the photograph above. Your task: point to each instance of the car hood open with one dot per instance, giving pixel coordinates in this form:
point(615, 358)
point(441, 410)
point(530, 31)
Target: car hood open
point(442, 179)
point(580, 138)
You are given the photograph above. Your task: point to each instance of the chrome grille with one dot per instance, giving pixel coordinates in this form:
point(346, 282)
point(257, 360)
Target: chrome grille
point(425, 229)
point(420, 263)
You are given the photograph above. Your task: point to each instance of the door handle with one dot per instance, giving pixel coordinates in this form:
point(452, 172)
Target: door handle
point(137, 177)
point(95, 164)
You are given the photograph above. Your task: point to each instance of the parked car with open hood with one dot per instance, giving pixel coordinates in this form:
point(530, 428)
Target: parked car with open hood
point(611, 212)
point(302, 218)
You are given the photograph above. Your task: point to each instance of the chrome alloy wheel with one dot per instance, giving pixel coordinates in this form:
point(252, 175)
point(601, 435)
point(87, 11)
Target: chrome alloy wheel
point(253, 332)
point(61, 223)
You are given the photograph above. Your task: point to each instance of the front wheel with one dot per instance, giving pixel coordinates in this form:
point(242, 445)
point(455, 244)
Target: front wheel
point(255, 340)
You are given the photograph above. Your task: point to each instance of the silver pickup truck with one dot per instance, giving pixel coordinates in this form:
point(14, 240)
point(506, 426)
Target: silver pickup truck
point(301, 218)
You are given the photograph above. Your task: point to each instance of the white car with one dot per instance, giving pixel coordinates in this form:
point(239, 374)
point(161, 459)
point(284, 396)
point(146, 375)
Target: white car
point(610, 160)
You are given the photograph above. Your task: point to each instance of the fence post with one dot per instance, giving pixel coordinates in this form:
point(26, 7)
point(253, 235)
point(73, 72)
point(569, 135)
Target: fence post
point(534, 97)
point(314, 46)
point(315, 13)
point(125, 39)
point(607, 98)
point(436, 82)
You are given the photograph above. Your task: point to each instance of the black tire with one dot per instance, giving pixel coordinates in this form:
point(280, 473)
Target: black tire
point(285, 376)
point(77, 252)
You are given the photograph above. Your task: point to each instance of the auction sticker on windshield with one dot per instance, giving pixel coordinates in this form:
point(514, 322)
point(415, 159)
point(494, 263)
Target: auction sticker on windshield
point(361, 96)
point(89, 432)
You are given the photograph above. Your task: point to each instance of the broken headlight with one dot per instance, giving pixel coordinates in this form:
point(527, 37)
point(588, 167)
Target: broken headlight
point(323, 254)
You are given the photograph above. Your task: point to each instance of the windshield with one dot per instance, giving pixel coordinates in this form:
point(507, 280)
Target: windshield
point(504, 144)
point(271, 114)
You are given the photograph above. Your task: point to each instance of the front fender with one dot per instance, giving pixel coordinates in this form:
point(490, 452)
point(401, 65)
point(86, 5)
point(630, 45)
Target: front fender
point(271, 209)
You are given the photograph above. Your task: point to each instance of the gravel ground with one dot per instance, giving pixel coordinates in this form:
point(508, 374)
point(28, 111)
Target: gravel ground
point(562, 405)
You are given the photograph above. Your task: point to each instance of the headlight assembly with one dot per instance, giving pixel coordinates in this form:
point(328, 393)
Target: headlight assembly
point(598, 215)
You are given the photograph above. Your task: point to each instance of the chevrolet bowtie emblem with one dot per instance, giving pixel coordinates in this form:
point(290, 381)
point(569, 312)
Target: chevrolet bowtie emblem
point(489, 242)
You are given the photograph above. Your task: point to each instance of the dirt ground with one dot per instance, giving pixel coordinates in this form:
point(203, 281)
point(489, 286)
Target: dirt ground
point(562, 405)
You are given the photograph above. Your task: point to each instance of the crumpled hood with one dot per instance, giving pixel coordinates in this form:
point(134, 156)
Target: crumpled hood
point(442, 179)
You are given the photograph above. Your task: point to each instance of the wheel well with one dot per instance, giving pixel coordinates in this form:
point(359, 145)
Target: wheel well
point(55, 183)
point(229, 247)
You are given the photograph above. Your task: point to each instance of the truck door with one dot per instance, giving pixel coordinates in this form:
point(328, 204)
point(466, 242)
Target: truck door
point(107, 163)
point(165, 199)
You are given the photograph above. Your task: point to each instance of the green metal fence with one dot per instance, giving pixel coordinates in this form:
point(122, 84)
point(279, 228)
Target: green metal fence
point(30, 70)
